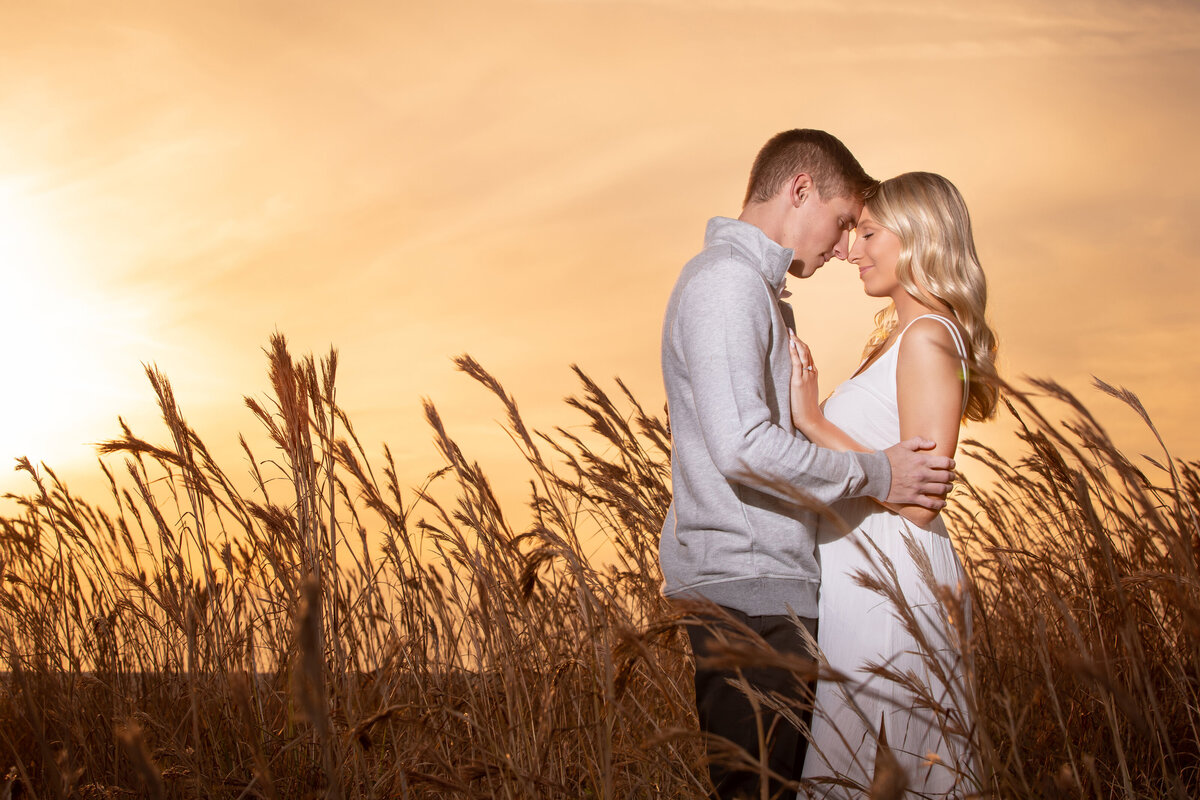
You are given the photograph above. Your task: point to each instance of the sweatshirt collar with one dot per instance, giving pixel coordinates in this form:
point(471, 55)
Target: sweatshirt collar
point(769, 257)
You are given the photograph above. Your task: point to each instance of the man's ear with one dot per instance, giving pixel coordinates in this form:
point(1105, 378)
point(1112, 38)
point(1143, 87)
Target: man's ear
point(800, 189)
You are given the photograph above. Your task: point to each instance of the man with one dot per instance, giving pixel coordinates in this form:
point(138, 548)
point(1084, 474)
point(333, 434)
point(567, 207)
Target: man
point(740, 531)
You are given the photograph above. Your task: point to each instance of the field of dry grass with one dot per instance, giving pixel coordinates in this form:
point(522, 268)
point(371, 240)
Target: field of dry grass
point(327, 632)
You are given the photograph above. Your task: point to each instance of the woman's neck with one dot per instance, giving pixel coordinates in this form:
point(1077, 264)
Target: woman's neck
point(909, 308)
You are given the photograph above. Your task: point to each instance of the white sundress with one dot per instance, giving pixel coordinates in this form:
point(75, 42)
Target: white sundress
point(860, 626)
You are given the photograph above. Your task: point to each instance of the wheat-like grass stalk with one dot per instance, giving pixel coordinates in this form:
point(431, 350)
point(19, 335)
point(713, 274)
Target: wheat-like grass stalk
point(324, 629)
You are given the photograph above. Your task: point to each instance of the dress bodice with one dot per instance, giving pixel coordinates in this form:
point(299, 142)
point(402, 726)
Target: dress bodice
point(865, 406)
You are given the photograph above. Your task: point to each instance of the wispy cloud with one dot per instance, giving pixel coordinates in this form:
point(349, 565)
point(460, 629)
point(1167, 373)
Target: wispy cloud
point(955, 30)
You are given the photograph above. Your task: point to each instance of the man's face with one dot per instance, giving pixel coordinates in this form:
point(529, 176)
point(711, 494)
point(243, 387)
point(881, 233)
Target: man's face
point(821, 231)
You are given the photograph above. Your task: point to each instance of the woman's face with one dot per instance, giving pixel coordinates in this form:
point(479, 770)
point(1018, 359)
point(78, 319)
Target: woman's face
point(875, 252)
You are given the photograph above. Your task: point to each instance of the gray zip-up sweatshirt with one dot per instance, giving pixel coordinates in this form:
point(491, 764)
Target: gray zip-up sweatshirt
point(737, 531)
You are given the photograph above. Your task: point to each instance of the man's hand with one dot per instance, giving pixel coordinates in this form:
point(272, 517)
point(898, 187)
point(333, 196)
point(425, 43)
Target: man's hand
point(919, 478)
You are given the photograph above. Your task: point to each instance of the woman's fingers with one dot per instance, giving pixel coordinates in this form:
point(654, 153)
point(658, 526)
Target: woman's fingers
point(800, 368)
point(801, 357)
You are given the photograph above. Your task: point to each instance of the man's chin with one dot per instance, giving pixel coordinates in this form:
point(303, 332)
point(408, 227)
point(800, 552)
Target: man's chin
point(799, 269)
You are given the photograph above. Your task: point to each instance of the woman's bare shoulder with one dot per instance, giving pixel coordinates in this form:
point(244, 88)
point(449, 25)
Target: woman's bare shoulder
point(929, 341)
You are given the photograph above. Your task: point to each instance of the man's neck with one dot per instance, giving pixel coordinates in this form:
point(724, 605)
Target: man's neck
point(766, 218)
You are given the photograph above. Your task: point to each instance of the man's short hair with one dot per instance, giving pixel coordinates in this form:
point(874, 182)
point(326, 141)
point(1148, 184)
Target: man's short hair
point(834, 170)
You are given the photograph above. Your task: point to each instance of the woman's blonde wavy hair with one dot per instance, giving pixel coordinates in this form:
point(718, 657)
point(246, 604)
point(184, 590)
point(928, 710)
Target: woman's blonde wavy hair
point(938, 263)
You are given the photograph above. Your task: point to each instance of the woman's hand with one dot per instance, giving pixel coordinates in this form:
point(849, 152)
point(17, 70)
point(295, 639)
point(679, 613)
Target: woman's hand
point(806, 408)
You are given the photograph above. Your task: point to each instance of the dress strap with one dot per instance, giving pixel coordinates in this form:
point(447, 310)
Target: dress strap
point(958, 345)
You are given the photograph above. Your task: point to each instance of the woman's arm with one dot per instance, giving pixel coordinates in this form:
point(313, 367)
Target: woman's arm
point(929, 392)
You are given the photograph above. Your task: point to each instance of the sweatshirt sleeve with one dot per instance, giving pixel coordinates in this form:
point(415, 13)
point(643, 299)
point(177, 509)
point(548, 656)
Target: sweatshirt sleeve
point(724, 329)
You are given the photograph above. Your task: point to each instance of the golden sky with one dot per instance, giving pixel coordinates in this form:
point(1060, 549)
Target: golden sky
point(523, 180)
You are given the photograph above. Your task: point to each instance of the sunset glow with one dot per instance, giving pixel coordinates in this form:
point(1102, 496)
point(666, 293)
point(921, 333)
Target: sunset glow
point(523, 180)
point(72, 343)
point(47, 361)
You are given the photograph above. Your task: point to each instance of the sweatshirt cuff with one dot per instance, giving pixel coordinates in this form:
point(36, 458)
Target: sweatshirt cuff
point(879, 475)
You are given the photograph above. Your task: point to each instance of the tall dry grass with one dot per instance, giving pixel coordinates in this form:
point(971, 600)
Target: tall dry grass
point(324, 631)
point(1085, 571)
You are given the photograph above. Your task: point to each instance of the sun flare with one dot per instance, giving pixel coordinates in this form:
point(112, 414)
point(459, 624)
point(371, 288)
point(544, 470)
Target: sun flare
point(50, 329)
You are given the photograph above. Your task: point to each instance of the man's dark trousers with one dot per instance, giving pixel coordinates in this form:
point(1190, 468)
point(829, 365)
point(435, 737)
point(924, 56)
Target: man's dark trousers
point(725, 710)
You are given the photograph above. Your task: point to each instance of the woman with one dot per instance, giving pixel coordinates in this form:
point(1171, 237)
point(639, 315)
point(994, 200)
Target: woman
point(924, 371)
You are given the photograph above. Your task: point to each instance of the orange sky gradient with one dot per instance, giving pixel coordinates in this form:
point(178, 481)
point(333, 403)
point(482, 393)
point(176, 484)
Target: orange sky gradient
point(522, 181)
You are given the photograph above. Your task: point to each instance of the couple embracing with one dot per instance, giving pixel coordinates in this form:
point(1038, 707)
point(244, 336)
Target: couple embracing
point(756, 457)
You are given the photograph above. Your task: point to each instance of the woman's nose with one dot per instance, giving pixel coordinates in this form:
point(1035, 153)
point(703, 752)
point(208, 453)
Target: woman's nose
point(855, 253)
point(843, 246)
